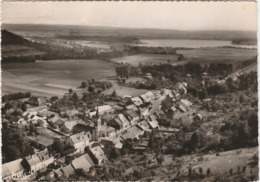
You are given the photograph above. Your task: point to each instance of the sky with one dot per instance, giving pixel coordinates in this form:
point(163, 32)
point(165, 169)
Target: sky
point(162, 15)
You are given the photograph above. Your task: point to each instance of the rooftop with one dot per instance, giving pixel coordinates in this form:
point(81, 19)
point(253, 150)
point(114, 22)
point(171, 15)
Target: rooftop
point(12, 167)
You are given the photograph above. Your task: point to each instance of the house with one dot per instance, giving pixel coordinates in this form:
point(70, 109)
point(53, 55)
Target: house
point(81, 163)
point(132, 133)
point(116, 123)
point(185, 103)
point(152, 121)
point(197, 118)
point(12, 170)
point(106, 131)
point(132, 116)
point(126, 98)
point(97, 155)
point(54, 118)
point(67, 170)
point(119, 122)
point(90, 161)
point(160, 114)
point(79, 141)
point(125, 122)
point(101, 110)
point(182, 108)
point(167, 92)
point(71, 113)
point(59, 122)
point(137, 101)
point(147, 97)
point(33, 101)
point(175, 93)
point(112, 142)
point(45, 158)
point(144, 126)
point(35, 162)
point(32, 163)
point(142, 145)
point(132, 107)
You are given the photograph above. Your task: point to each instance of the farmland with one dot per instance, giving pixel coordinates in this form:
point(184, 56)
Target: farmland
point(225, 55)
point(52, 77)
point(149, 59)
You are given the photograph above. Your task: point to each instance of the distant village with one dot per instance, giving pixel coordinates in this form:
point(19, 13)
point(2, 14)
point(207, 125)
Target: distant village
point(86, 142)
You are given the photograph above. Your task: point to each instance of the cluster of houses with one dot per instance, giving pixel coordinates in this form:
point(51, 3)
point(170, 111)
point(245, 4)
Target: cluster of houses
point(106, 127)
point(27, 168)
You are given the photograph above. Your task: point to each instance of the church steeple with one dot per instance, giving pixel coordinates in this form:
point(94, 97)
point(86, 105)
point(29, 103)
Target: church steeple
point(97, 113)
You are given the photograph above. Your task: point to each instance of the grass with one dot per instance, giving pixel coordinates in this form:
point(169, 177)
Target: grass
point(51, 78)
point(219, 165)
point(225, 55)
point(149, 59)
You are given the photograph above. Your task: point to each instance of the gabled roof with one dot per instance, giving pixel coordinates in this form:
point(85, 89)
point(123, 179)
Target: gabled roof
point(12, 167)
point(175, 92)
point(131, 113)
point(33, 160)
point(79, 137)
point(44, 155)
point(98, 152)
point(185, 102)
point(59, 122)
point(81, 162)
point(123, 119)
point(182, 108)
point(132, 107)
point(144, 125)
point(137, 101)
point(152, 121)
point(68, 170)
point(70, 124)
point(90, 161)
point(148, 96)
point(132, 133)
point(104, 108)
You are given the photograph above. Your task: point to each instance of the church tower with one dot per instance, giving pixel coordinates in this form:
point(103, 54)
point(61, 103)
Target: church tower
point(96, 130)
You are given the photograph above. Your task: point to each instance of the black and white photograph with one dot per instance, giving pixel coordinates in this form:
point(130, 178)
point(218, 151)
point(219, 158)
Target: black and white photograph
point(129, 91)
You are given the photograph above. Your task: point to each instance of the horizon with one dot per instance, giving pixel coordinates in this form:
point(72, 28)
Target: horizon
point(183, 16)
point(115, 27)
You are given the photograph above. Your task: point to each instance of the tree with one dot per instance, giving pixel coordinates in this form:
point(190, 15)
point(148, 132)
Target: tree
point(114, 93)
point(231, 171)
point(238, 169)
point(208, 171)
point(160, 159)
point(201, 171)
point(244, 169)
point(13, 152)
point(58, 146)
point(84, 84)
point(23, 107)
point(91, 89)
point(54, 99)
point(70, 90)
point(114, 154)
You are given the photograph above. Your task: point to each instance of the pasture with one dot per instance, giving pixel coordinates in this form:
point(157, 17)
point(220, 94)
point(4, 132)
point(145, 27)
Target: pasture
point(217, 55)
point(147, 59)
point(51, 78)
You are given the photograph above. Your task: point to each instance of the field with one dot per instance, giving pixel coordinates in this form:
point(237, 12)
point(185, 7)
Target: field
point(149, 59)
point(48, 78)
point(219, 165)
point(225, 55)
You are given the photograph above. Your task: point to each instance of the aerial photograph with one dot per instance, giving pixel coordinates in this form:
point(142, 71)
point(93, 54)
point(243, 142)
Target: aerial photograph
point(129, 91)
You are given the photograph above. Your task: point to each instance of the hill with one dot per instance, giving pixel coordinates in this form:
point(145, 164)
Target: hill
point(17, 49)
point(145, 33)
point(9, 38)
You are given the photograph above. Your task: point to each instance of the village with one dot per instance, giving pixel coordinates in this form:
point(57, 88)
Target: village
point(81, 144)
